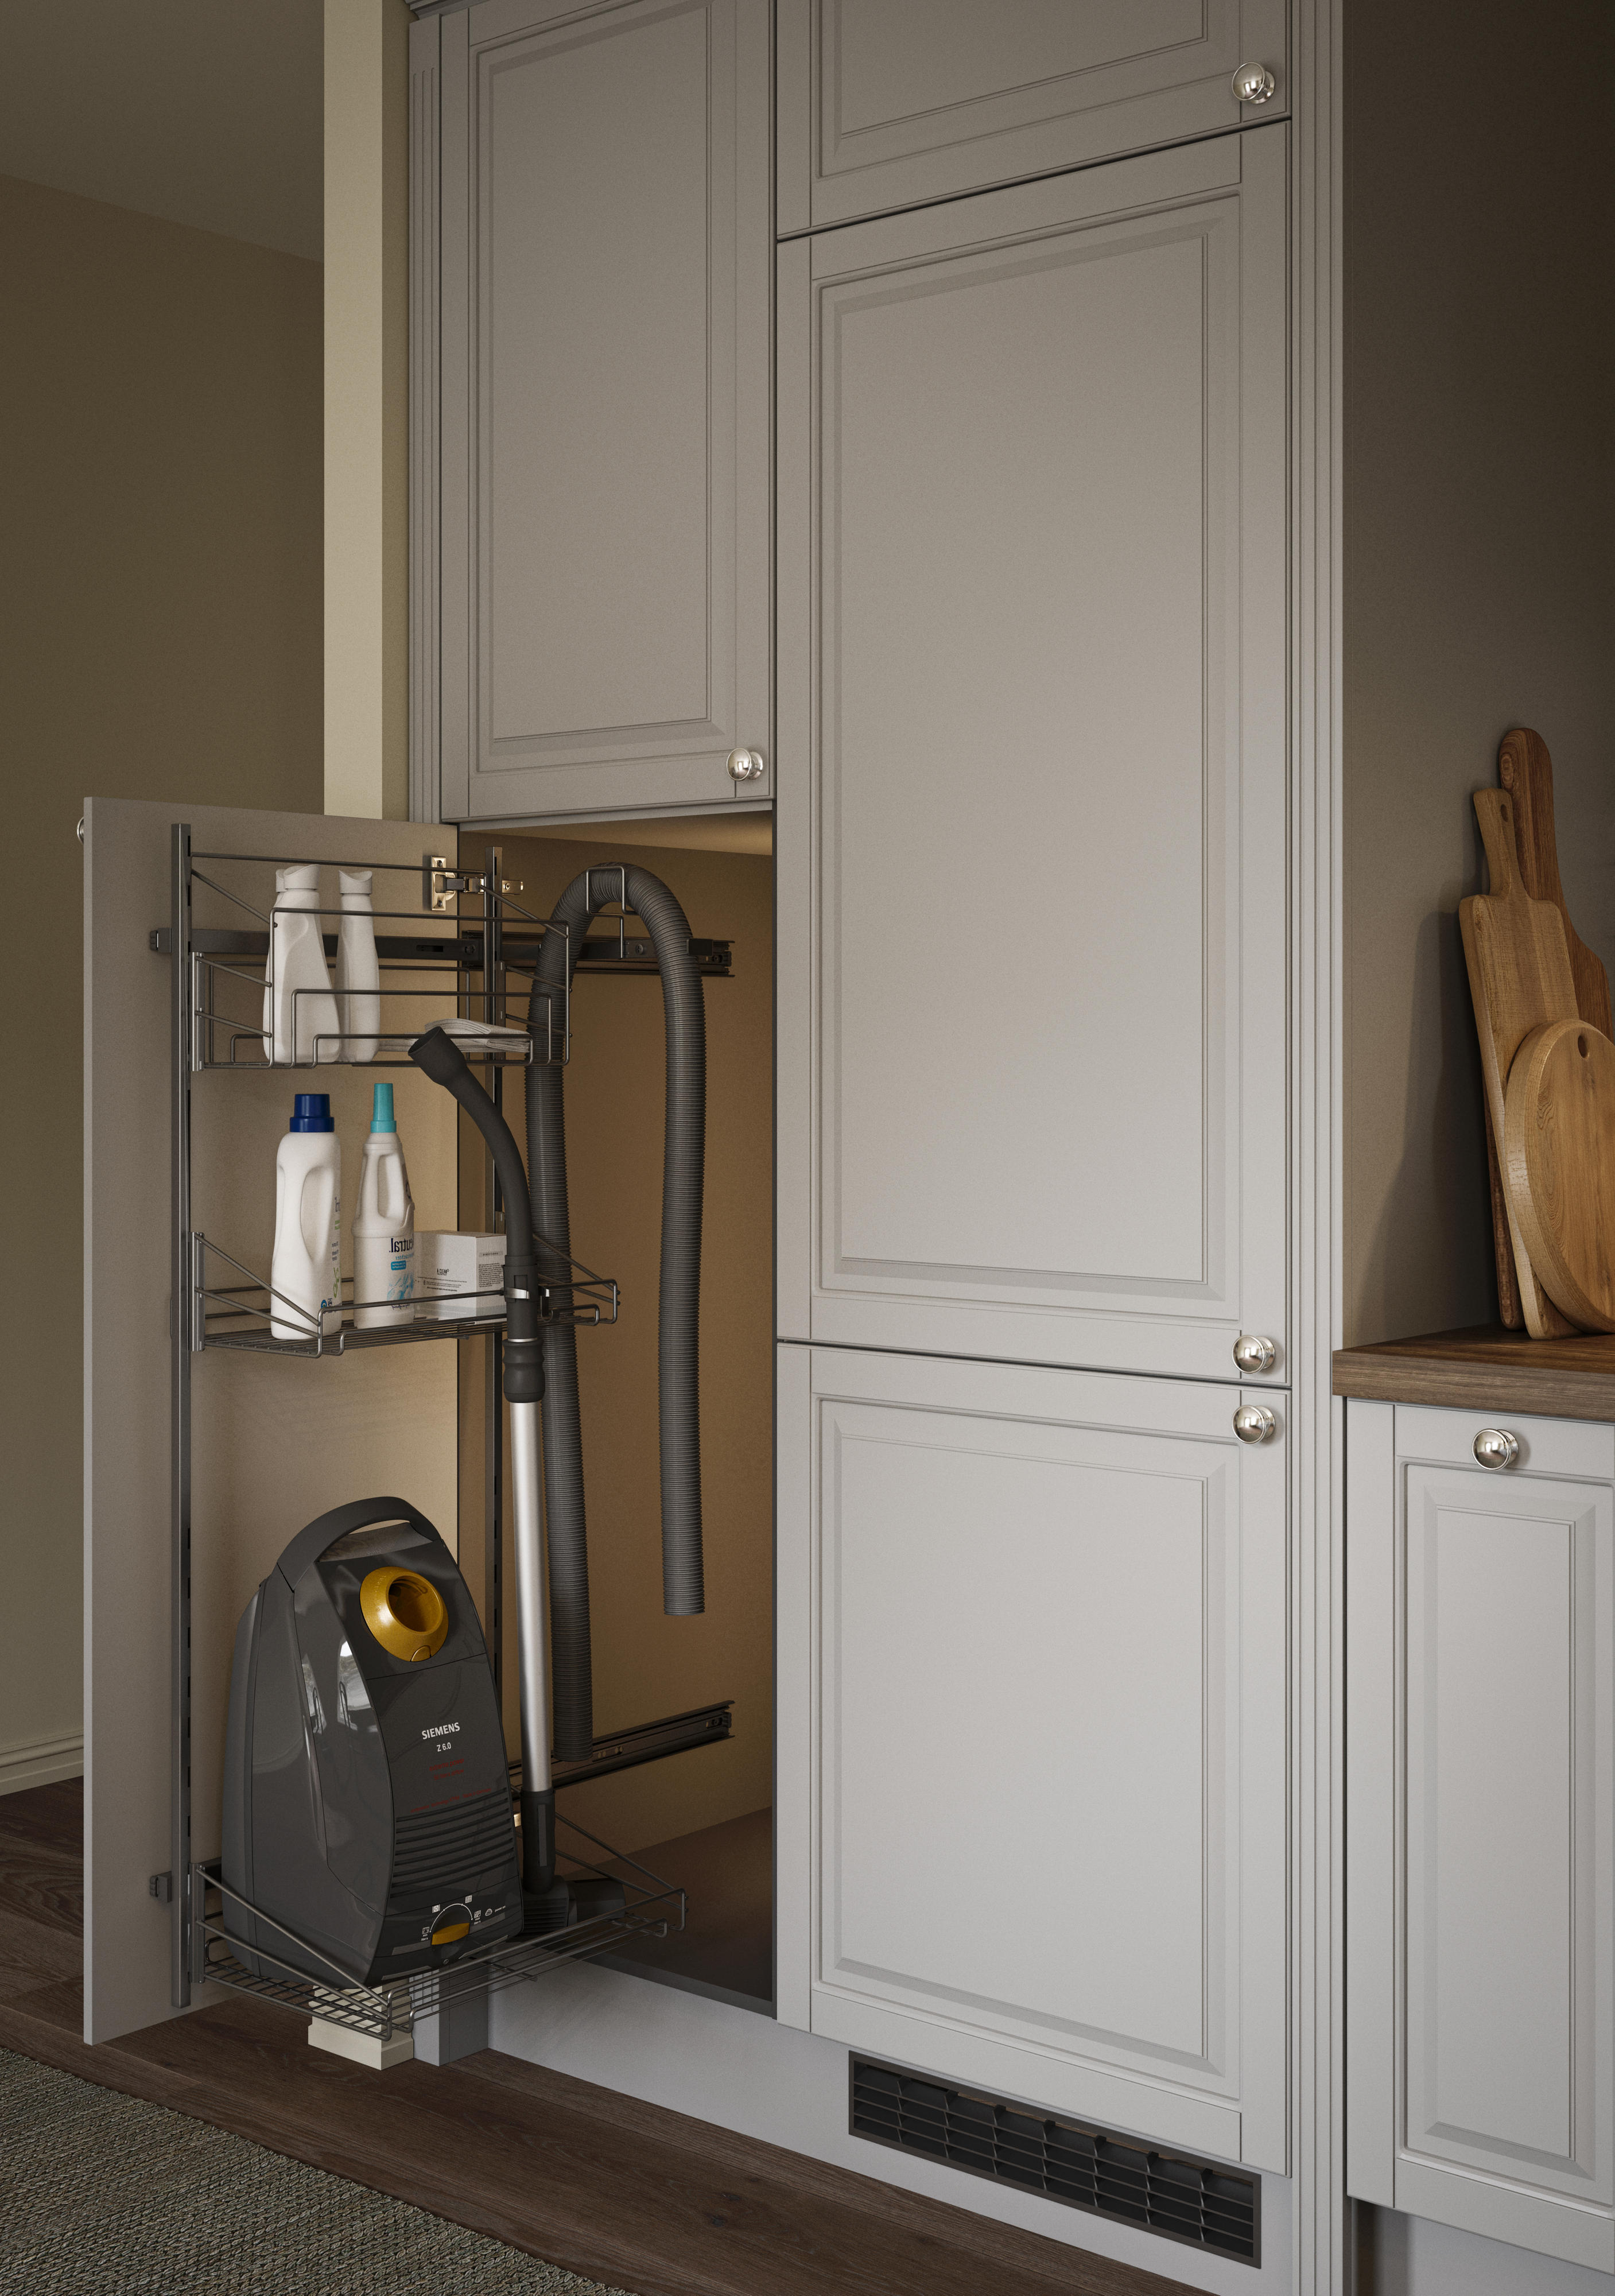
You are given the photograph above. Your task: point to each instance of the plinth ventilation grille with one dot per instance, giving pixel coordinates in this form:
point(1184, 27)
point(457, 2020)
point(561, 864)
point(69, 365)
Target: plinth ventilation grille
point(1201, 2202)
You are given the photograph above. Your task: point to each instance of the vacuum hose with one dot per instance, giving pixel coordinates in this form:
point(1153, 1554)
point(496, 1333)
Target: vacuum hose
point(442, 1060)
point(682, 1166)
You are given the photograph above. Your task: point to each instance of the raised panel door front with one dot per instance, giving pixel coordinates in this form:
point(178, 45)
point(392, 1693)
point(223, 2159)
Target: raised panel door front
point(605, 406)
point(883, 103)
point(1032, 832)
point(1048, 1696)
point(1508, 1887)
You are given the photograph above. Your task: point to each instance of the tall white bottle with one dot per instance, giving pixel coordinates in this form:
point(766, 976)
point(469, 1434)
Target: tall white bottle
point(358, 973)
point(384, 1225)
point(307, 1269)
point(299, 1011)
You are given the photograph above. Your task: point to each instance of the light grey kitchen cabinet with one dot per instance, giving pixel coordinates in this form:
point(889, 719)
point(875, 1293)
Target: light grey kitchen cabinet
point(1481, 1826)
point(1031, 1775)
point(1032, 821)
point(884, 103)
point(604, 416)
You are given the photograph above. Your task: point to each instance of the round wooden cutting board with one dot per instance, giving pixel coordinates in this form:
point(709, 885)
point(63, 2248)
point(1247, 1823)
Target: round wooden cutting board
point(1559, 1165)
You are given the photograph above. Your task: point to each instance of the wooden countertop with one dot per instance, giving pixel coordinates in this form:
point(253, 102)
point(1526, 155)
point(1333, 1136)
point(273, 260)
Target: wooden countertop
point(1486, 1369)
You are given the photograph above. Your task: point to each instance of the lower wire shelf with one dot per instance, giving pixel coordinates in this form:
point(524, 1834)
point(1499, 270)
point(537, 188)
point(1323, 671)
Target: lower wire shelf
point(651, 1908)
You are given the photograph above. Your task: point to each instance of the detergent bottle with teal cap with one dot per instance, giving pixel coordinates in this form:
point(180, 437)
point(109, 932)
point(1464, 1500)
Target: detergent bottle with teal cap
point(383, 1226)
point(306, 1272)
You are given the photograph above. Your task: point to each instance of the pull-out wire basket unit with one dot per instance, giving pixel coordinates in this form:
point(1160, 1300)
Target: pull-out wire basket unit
point(651, 1908)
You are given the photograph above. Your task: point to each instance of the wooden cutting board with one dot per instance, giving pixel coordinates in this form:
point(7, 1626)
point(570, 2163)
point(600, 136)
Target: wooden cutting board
point(1559, 1160)
point(1519, 976)
point(1526, 770)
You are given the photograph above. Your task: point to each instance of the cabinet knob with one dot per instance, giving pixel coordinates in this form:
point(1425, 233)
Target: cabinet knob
point(1254, 1351)
point(1253, 84)
point(747, 765)
point(1253, 1423)
point(1494, 1447)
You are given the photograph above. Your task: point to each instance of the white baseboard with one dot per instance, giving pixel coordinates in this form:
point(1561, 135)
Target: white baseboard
point(41, 1761)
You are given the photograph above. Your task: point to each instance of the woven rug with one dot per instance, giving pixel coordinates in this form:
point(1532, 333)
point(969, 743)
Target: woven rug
point(104, 2193)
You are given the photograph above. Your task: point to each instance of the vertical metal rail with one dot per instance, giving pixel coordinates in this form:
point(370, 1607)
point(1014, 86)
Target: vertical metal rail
point(493, 1419)
point(181, 1319)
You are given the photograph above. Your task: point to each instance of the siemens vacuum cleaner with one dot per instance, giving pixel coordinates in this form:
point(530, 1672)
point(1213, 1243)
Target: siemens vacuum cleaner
point(368, 1828)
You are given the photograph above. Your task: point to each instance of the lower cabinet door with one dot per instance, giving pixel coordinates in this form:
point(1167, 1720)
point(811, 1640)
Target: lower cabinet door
point(1481, 1922)
point(1032, 1736)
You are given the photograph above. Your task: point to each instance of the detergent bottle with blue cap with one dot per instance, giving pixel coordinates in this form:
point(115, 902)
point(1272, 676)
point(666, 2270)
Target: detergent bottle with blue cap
point(383, 1226)
point(306, 1273)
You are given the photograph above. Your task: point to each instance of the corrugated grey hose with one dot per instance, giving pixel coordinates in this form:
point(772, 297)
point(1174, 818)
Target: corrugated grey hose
point(684, 1160)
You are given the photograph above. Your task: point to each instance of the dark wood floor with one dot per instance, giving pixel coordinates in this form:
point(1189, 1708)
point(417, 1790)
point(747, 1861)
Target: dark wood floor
point(618, 2191)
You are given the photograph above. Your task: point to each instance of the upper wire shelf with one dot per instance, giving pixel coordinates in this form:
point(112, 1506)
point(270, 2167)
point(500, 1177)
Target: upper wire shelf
point(234, 968)
point(507, 942)
point(651, 1908)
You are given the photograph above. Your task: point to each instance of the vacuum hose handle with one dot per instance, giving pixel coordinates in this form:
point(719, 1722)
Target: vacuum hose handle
point(437, 1055)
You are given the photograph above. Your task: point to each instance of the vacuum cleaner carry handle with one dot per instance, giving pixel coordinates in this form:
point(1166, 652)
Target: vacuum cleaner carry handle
point(325, 1530)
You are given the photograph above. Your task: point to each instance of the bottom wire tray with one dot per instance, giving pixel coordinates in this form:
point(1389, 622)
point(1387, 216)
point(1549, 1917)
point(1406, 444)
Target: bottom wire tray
point(652, 1908)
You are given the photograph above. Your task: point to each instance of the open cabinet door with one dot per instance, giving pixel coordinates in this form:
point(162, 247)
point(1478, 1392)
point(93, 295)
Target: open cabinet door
point(274, 1440)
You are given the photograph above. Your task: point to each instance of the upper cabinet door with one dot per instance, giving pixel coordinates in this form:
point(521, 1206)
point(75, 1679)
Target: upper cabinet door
point(605, 406)
point(884, 103)
point(1032, 731)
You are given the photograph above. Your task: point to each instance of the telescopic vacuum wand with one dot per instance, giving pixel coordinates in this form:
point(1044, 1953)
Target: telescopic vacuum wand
point(440, 1058)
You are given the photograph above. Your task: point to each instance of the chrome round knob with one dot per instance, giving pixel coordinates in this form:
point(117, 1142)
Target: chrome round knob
point(1253, 1423)
point(1254, 1351)
point(1253, 84)
point(1494, 1447)
point(746, 766)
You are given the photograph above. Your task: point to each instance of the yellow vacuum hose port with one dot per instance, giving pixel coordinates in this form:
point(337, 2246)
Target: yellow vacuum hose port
point(403, 1611)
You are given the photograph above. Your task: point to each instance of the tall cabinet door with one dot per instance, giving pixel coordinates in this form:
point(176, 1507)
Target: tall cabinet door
point(883, 103)
point(1031, 822)
point(1030, 1806)
point(605, 406)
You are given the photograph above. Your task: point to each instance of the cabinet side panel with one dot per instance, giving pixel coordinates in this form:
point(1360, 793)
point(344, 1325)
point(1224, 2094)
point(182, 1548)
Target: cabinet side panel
point(425, 474)
point(1370, 1802)
point(794, 1689)
point(126, 1229)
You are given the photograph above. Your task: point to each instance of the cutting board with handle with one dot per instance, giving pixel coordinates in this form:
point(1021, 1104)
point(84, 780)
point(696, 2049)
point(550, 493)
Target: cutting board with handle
point(1526, 771)
point(1559, 1160)
point(1519, 976)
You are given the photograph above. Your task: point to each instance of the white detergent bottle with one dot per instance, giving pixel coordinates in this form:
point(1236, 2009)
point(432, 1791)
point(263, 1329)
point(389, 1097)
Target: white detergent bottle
point(307, 1263)
point(299, 1011)
point(358, 974)
point(383, 1226)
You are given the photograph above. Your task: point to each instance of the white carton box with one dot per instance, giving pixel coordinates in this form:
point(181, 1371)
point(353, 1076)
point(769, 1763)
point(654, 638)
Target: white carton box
point(447, 1261)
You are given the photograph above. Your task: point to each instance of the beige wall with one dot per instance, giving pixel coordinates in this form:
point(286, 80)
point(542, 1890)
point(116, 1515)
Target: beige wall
point(647, 1665)
point(1479, 578)
point(159, 600)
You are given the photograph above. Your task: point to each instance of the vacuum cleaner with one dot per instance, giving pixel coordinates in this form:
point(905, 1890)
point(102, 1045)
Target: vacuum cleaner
point(366, 1807)
point(366, 1803)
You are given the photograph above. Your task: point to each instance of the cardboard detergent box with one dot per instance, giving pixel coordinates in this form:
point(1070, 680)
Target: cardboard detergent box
point(447, 1261)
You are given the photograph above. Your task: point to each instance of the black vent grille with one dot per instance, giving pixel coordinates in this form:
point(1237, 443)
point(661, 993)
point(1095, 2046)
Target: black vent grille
point(1199, 2202)
point(438, 1849)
